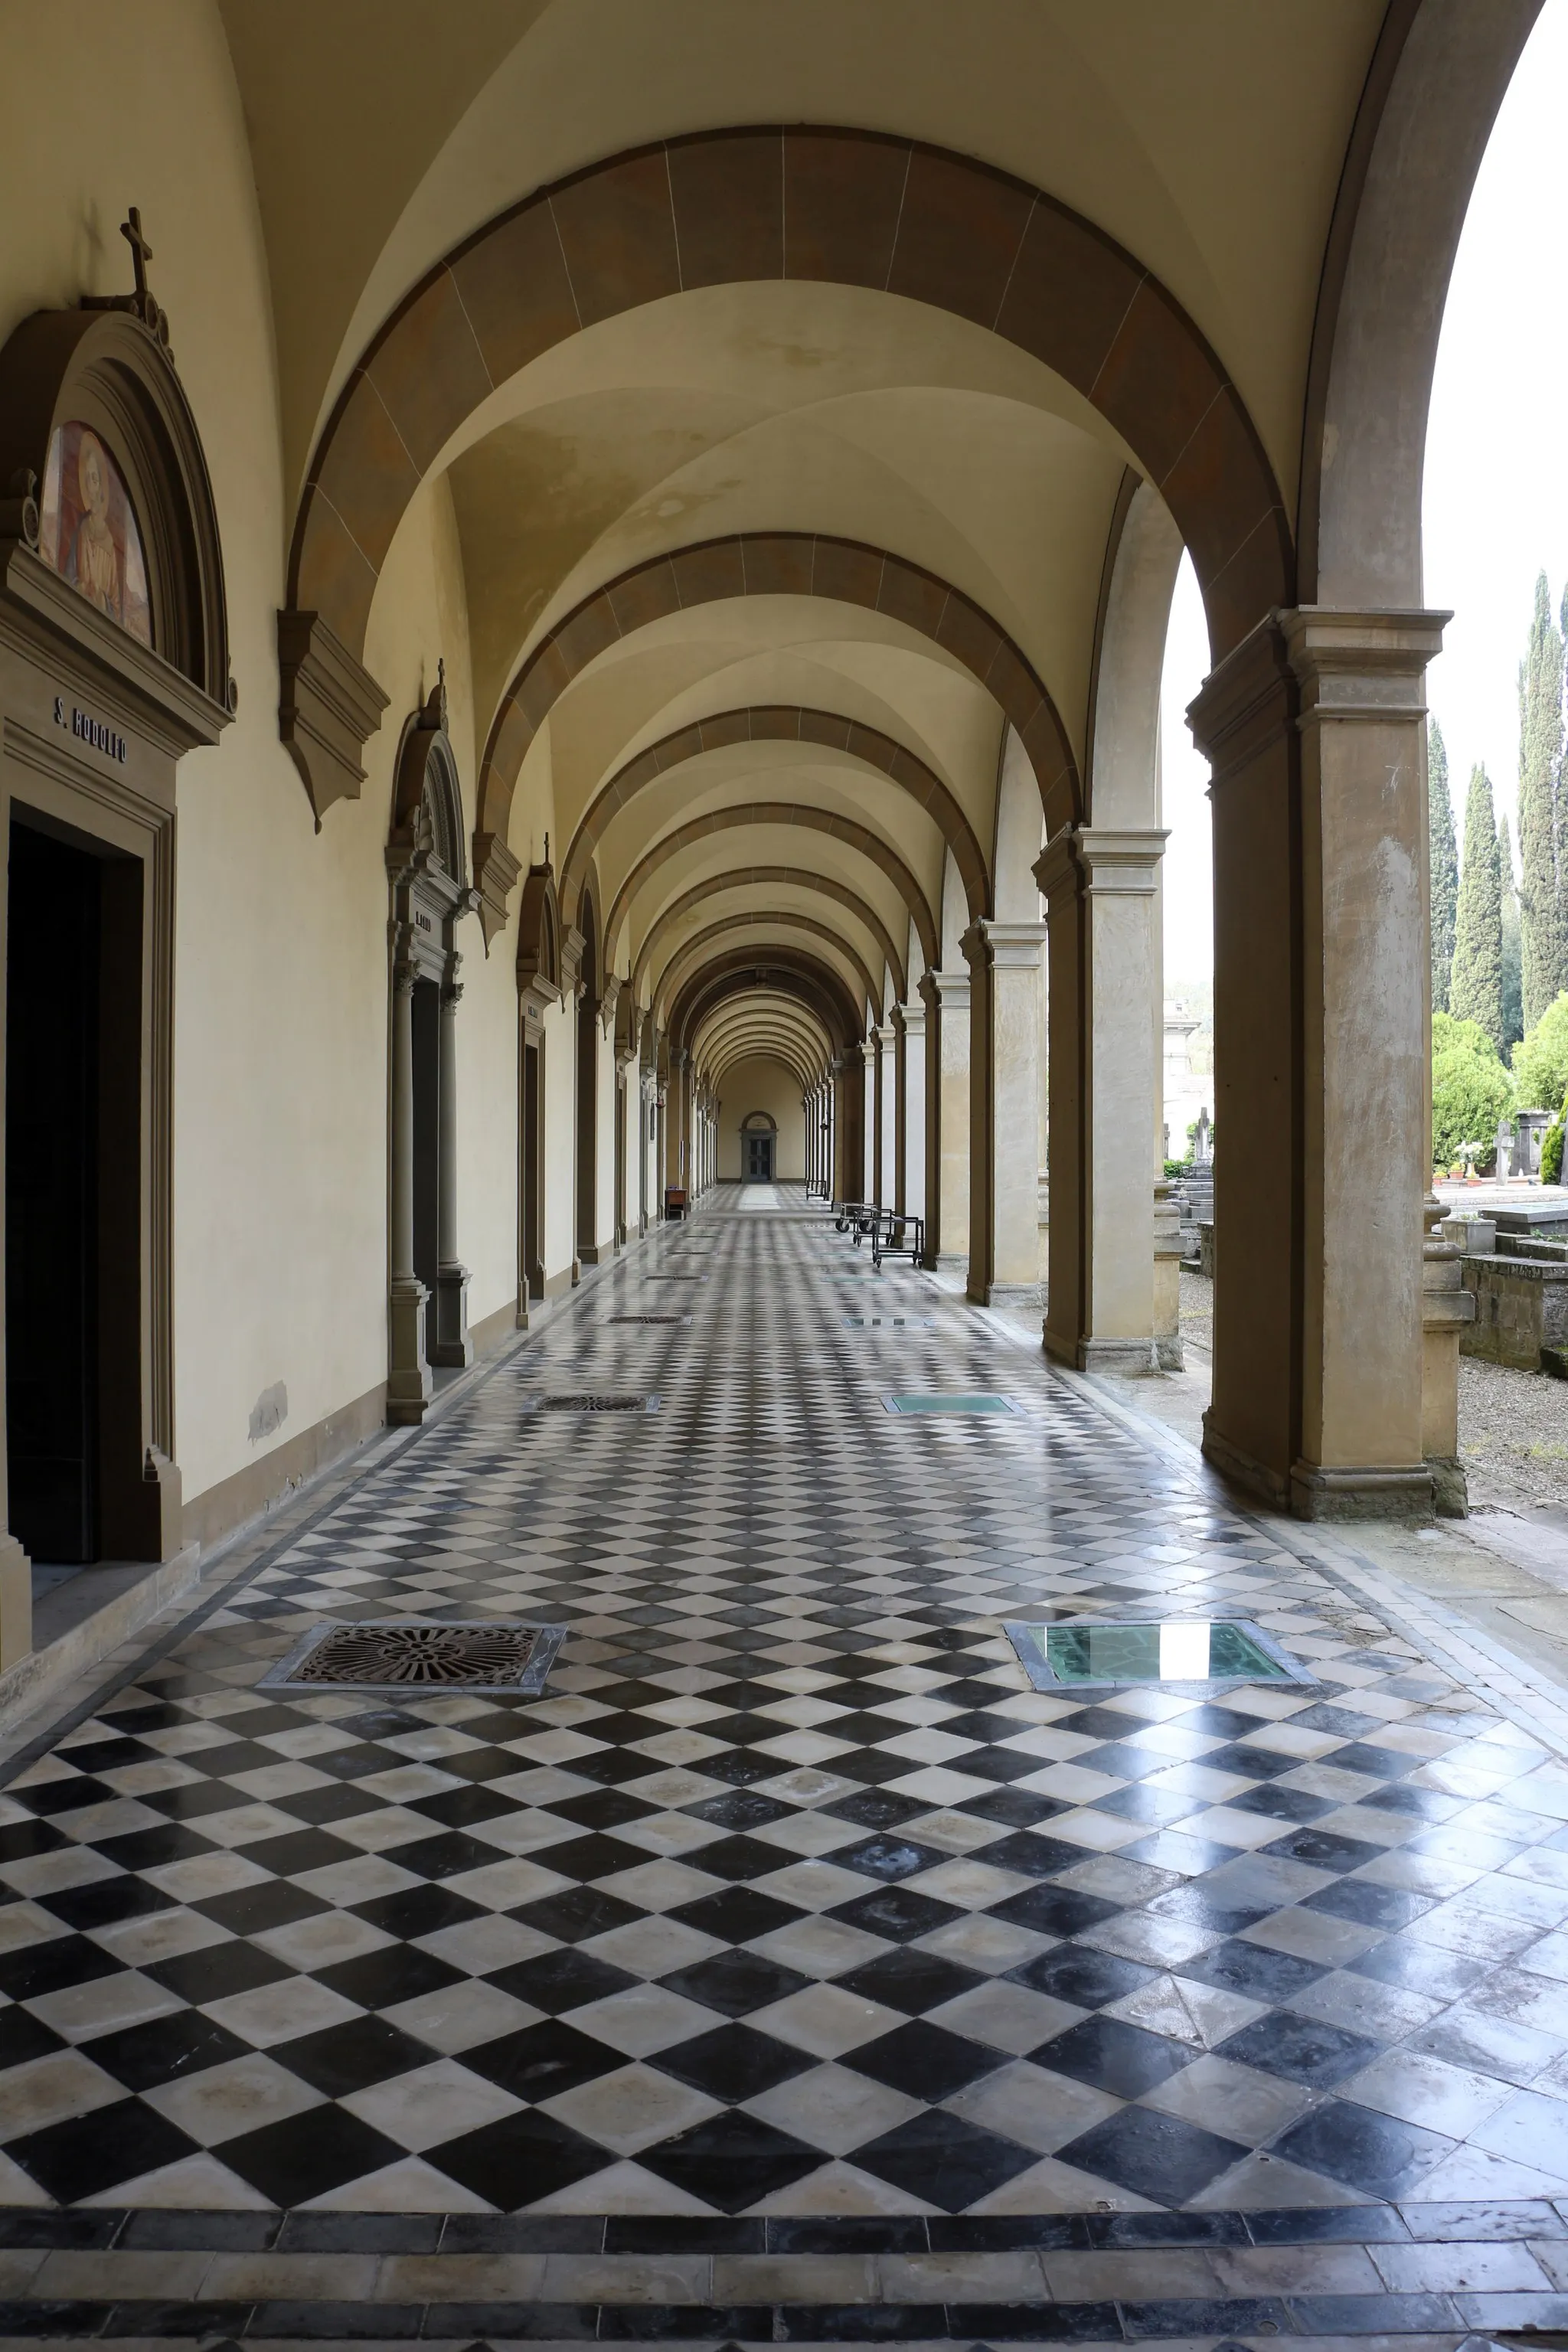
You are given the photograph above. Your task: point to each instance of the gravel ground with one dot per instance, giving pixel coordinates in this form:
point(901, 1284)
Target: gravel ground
point(1513, 1435)
point(1513, 1426)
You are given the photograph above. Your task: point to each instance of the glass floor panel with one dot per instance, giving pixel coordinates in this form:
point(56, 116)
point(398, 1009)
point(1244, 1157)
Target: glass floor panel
point(981, 1402)
point(1165, 1650)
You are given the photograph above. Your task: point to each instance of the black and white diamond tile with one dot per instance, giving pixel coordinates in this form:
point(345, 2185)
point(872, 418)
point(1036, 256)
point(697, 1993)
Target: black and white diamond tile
point(791, 1897)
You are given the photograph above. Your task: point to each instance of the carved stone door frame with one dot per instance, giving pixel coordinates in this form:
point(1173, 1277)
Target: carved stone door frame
point(426, 868)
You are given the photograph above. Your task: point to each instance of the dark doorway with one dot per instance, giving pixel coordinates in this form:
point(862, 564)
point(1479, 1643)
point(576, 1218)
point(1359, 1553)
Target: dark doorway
point(532, 1174)
point(54, 917)
point(428, 1147)
point(759, 1159)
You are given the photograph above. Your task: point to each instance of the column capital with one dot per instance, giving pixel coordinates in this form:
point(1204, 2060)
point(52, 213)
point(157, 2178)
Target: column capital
point(913, 1018)
point(949, 989)
point(1014, 947)
point(1097, 860)
point(868, 1049)
point(1366, 665)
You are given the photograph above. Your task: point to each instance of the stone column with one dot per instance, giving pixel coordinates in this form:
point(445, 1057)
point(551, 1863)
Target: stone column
point(1315, 727)
point(870, 1155)
point(1099, 884)
point(912, 1148)
point(946, 997)
point(408, 1384)
point(888, 1112)
point(1005, 1077)
point(453, 1345)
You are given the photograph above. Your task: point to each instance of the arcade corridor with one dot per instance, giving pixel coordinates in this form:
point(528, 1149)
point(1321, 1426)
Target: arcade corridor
point(791, 1970)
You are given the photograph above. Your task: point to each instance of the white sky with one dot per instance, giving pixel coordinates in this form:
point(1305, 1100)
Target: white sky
point(1496, 505)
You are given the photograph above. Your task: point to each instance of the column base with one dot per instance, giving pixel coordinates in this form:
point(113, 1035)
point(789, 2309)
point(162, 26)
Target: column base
point(408, 1384)
point(1242, 1468)
point(1403, 1497)
point(1450, 1488)
point(1124, 1356)
point(453, 1346)
point(16, 1603)
point(952, 1262)
point(1010, 1294)
point(1169, 1356)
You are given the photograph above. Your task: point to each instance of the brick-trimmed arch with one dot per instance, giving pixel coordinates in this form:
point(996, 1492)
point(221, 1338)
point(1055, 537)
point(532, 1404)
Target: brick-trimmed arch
point(779, 723)
point(831, 205)
point(702, 943)
point(766, 564)
point(753, 812)
point(794, 877)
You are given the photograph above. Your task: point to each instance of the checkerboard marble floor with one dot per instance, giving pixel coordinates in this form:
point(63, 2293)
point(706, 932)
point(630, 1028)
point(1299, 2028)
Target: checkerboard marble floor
point(790, 1920)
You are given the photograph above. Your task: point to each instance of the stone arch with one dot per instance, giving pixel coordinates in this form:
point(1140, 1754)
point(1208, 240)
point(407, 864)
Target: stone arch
point(781, 723)
point(754, 812)
point(798, 878)
point(791, 972)
point(703, 941)
point(843, 206)
point(759, 1122)
point(765, 564)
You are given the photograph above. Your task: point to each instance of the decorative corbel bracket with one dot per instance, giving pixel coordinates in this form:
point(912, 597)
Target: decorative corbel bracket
point(328, 706)
point(495, 872)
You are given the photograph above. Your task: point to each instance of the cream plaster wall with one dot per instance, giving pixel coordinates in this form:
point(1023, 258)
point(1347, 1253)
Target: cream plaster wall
point(762, 1084)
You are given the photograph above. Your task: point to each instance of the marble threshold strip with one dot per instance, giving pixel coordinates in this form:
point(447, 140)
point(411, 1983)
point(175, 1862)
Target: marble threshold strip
point(1437, 2275)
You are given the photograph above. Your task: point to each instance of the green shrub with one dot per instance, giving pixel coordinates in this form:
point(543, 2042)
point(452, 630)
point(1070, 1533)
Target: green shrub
point(1551, 1146)
point(1471, 1090)
point(1541, 1059)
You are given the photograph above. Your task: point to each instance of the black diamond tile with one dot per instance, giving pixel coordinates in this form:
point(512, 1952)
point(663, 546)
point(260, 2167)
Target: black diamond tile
point(24, 2036)
point(924, 2061)
point(19, 1841)
point(1113, 2056)
point(1374, 2154)
point(593, 1855)
point(352, 2056)
point(164, 2049)
point(1280, 1805)
point(1156, 2156)
point(876, 1809)
point(1030, 1854)
point(412, 1911)
point(88, 2153)
point(735, 1982)
point(1369, 1904)
point(396, 1972)
point(290, 1855)
point(104, 1902)
point(460, 1807)
point(66, 1795)
point(601, 1808)
point(575, 1915)
point(737, 1858)
point(897, 1913)
point(737, 1765)
point(1300, 2048)
point(450, 1852)
point(1014, 1809)
point(910, 1980)
point(736, 1915)
point(1077, 1973)
point(247, 1910)
point(333, 1801)
point(942, 2160)
point(52, 1966)
point(555, 1981)
point(1420, 1968)
point(731, 2161)
point(520, 2158)
point(733, 2063)
point(1325, 1850)
point(305, 2156)
point(1254, 1970)
point(539, 2061)
point(1138, 1803)
point(217, 1970)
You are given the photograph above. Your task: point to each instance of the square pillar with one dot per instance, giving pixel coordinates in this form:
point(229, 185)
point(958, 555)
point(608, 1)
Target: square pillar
point(912, 1142)
point(872, 1154)
point(1101, 888)
point(888, 1113)
point(946, 998)
point(1315, 726)
point(1006, 1076)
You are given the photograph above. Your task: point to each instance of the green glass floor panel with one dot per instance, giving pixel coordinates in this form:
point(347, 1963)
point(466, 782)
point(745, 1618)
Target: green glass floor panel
point(1209, 1651)
point(975, 1404)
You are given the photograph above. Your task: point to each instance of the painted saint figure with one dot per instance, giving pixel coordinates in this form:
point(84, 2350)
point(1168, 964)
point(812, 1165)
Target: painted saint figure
point(88, 530)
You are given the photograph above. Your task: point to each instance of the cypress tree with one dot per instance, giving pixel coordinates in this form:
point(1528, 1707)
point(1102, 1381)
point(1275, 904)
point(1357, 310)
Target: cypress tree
point(1443, 863)
point(1476, 991)
point(1543, 913)
point(1512, 994)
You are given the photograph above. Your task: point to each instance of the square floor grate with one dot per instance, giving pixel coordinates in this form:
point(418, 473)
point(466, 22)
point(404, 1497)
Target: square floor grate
point(889, 1322)
point(586, 1401)
point(675, 1277)
point(1208, 1654)
point(399, 1656)
point(647, 1318)
point(974, 1405)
